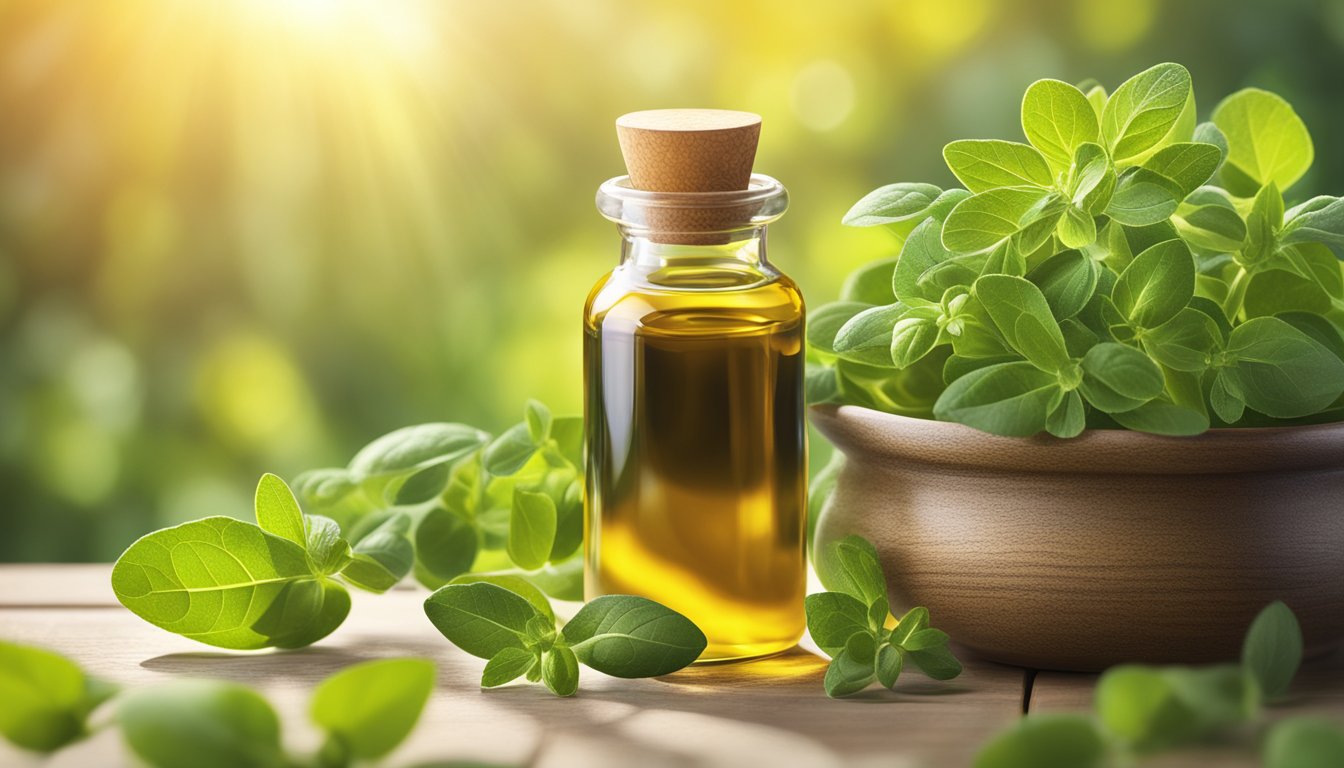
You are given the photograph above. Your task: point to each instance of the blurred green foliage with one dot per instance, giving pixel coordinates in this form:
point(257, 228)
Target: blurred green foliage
point(249, 236)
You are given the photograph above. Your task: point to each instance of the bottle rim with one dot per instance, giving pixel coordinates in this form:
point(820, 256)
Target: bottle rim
point(763, 201)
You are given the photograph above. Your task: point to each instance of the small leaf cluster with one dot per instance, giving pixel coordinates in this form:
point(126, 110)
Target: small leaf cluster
point(1127, 267)
point(476, 503)
point(849, 624)
point(441, 500)
point(364, 711)
point(1140, 710)
point(510, 623)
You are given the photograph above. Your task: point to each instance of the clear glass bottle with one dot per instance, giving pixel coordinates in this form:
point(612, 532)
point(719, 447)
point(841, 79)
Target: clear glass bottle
point(696, 439)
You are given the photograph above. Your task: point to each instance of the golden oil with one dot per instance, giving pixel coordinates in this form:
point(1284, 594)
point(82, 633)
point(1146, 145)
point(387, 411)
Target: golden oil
point(697, 459)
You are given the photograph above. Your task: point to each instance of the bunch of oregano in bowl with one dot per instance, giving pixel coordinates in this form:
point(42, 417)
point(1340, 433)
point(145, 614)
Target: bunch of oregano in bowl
point(1127, 267)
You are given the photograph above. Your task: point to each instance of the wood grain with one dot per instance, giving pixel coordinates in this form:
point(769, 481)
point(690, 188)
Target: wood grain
point(769, 712)
point(1112, 547)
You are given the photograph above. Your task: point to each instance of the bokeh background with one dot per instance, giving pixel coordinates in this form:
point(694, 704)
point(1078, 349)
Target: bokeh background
point(252, 235)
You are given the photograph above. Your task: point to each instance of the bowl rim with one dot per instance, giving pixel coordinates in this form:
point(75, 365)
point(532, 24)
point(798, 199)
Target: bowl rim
point(863, 433)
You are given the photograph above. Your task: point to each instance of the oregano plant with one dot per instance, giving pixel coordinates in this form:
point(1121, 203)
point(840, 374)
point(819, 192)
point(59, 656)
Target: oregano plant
point(1126, 267)
point(440, 500)
point(364, 712)
point(849, 624)
point(1141, 710)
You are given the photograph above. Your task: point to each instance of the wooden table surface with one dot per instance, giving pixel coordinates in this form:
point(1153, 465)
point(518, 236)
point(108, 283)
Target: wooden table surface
point(771, 712)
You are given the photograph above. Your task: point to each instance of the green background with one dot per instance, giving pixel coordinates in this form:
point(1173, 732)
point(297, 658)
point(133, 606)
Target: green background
point(251, 236)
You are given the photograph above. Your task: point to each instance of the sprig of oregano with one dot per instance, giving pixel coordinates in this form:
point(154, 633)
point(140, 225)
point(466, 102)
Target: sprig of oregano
point(1126, 267)
point(1141, 709)
point(849, 624)
point(441, 500)
point(364, 711)
point(511, 624)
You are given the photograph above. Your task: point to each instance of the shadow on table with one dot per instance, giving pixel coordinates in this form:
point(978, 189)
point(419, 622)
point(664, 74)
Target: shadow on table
point(775, 706)
point(305, 665)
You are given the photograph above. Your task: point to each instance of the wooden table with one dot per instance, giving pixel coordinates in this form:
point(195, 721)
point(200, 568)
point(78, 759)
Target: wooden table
point(771, 712)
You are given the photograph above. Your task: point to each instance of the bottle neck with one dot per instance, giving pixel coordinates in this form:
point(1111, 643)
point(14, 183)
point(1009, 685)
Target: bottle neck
point(739, 263)
point(742, 249)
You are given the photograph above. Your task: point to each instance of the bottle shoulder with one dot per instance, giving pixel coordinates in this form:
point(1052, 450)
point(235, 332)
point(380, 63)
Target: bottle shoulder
point(627, 301)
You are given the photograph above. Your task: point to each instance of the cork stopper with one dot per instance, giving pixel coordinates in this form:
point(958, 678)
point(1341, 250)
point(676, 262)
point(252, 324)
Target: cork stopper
point(691, 150)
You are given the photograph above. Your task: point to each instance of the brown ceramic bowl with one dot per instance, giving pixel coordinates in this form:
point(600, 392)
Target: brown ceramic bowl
point(1111, 547)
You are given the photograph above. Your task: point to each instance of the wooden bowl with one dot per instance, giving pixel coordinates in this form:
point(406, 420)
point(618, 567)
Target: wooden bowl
point(1111, 547)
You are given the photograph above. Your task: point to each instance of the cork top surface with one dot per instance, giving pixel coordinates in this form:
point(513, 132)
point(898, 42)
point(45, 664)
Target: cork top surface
point(688, 120)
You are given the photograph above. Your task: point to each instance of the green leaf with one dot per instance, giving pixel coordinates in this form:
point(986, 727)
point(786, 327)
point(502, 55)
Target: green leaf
point(867, 337)
point(890, 661)
point(509, 452)
point(1118, 378)
point(1319, 220)
point(420, 487)
point(1023, 317)
point(47, 698)
point(383, 557)
point(985, 220)
point(506, 666)
point(445, 544)
point(278, 511)
point(1280, 371)
point(538, 419)
point(1144, 109)
point(824, 322)
point(892, 204)
point(1156, 285)
point(1069, 418)
point(912, 622)
point(1077, 228)
point(854, 668)
point(1092, 178)
point(532, 528)
point(911, 339)
point(1140, 200)
point(1057, 119)
point(368, 709)
point(1215, 228)
point(629, 636)
point(1067, 281)
point(832, 617)
point(412, 449)
point(1267, 142)
point(936, 661)
point(1208, 133)
point(1139, 706)
point(1226, 398)
point(480, 618)
point(515, 584)
point(1187, 164)
point(981, 165)
point(560, 671)
point(820, 384)
point(1163, 418)
point(1010, 399)
point(1304, 742)
point(201, 724)
point(227, 583)
point(1272, 651)
point(1185, 342)
point(851, 566)
point(925, 270)
point(328, 553)
point(1046, 741)
point(567, 432)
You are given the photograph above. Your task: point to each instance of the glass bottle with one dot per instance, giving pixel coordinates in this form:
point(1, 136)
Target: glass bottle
point(696, 439)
